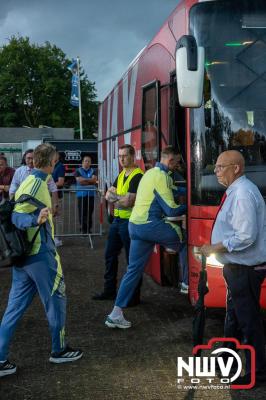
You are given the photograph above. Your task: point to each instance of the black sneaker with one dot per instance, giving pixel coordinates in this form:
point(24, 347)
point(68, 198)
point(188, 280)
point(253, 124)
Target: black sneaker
point(7, 368)
point(66, 355)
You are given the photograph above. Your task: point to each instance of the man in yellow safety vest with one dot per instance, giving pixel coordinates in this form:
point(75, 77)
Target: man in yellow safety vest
point(122, 194)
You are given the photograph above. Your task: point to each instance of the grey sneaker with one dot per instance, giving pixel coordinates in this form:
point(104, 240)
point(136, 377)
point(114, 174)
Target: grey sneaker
point(66, 355)
point(170, 251)
point(7, 368)
point(120, 322)
point(184, 288)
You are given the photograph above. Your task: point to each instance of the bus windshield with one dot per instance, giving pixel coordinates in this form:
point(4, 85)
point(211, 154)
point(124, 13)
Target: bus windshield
point(233, 113)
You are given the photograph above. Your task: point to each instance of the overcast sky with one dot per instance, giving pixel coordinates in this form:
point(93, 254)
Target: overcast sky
point(105, 34)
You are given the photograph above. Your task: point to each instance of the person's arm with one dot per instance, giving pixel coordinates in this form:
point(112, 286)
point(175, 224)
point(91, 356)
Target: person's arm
point(4, 188)
point(23, 220)
point(14, 184)
point(60, 182)
point(51, 185)
point(128, 200)
point(208, 249)
point(111, 192)
point(61, 177)
point(164, 195)
point(244, 224)
point(28, 220)
point(86, 181)
point(54, 193)
point(55, 203)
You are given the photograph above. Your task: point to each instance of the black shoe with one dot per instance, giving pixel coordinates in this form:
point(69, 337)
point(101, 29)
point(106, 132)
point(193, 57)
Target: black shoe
point(104, 296)
point(7, 368)
point(66, 355)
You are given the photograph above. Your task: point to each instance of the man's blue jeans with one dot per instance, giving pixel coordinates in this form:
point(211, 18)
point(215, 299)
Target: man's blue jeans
point(117, 239)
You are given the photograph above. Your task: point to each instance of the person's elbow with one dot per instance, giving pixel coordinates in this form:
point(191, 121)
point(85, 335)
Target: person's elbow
point(240, 242)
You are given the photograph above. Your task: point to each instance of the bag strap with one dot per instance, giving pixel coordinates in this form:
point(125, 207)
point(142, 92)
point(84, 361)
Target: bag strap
point(27, 198)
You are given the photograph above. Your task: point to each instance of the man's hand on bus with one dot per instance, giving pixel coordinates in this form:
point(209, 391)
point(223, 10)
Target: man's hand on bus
point(208, 249)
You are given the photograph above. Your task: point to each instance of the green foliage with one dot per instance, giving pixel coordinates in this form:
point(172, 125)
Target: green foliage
point(35, 87)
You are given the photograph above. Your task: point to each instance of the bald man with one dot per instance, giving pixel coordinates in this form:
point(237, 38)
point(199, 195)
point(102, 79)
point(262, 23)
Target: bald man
point(238, 241)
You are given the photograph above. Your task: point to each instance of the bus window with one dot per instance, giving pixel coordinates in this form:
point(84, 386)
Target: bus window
point(150, 125)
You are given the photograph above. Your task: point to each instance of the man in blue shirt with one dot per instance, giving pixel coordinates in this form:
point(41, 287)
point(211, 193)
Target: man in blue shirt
point(86, 179)
point(238, 241)
point(59, 179)
point(59, 174)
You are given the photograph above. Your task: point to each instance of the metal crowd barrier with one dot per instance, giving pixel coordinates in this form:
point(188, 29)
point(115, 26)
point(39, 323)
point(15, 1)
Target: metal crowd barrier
point(79, 216)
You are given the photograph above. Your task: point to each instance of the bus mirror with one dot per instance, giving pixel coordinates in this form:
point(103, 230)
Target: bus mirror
point(189, 72)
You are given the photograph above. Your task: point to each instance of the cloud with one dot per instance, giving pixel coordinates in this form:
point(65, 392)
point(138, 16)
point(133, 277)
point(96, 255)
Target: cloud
point(105, 34)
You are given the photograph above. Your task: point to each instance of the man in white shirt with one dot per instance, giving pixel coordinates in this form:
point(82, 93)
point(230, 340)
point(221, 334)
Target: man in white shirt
point(238, 241)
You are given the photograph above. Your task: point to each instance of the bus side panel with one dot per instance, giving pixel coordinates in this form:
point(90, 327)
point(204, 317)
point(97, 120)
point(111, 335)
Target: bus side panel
point(199, 233)
point(153, 268)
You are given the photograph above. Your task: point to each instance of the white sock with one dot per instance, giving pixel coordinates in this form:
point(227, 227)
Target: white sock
point(116, 313)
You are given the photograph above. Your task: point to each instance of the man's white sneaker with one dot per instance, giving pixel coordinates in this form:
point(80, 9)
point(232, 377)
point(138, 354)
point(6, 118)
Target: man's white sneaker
point(184, 288)
point(119, 322)
point(58, 242)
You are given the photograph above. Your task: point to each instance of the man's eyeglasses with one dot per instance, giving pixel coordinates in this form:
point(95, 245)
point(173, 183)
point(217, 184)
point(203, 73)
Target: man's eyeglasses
point(221, 167)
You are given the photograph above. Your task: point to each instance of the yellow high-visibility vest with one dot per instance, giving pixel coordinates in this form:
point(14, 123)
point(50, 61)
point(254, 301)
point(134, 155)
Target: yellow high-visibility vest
point(122, 190)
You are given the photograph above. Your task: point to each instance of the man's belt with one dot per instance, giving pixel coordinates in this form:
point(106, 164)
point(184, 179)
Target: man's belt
point(257, 267)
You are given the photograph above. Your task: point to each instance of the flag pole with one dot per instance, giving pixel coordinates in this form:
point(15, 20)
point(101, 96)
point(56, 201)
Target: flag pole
point(80, 111)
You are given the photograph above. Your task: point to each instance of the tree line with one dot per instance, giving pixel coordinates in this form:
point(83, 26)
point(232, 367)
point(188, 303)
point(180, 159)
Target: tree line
point(35, 87)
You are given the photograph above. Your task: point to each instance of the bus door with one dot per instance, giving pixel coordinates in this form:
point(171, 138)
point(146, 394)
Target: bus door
point(150, 151)
point(170, 267)
point(151, 124)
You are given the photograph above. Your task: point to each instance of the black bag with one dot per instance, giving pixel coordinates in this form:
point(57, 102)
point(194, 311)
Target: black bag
point(14, 245)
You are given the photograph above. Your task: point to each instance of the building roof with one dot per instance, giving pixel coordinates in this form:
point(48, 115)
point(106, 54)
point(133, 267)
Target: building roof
point(18, 135)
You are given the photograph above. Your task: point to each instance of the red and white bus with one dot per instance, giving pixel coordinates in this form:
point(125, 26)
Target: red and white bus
point(223, 62)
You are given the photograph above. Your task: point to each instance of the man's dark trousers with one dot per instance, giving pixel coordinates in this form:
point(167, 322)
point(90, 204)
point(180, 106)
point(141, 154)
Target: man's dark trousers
point(85, 208)
point(243, 310)
point(117, 239)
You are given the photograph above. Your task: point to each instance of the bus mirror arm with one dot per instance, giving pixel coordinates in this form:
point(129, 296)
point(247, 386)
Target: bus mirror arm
point(190, 44)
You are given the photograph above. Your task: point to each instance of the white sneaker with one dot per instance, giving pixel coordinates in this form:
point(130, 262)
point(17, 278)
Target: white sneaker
point(119, 322)
point(184, 288)
point(58, 242)
point(170, 251)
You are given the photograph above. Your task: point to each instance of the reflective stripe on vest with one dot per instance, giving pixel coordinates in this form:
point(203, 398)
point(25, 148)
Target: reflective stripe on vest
point(122, 190)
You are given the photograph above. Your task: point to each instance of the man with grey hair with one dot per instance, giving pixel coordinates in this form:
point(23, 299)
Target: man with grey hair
point(238, 242)
point(42, 271)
